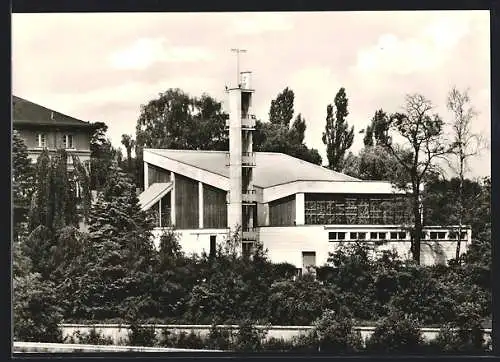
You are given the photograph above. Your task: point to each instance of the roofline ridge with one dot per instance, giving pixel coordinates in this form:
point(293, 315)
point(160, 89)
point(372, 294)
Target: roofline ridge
point(323, 168)
point(181, 150)
point(50, 109)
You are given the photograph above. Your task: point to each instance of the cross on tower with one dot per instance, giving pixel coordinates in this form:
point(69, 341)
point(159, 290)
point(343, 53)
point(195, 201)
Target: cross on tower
point(238, 51)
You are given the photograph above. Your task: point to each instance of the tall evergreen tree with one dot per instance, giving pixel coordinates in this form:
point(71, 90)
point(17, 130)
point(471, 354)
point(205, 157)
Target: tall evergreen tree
point(337, 137)
point(23, 176)
point(120, 256)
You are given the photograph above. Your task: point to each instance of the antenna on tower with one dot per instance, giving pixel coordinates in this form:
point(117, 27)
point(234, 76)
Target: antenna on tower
point(238, 51)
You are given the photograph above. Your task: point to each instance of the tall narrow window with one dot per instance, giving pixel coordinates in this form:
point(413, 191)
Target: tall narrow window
point(42, 140)
point(68, 141)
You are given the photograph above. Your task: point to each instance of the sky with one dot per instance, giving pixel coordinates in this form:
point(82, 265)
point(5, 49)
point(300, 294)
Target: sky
point(104, 66)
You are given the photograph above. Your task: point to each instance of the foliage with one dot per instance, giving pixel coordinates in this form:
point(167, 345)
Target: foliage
point(93, 337)
point(178, 121)
point(354, 278)
point(456, 340)
point(465, 145)
point(23, 180)
point(102, 155)
point(422, 135)
point(278, 135)
point(376, 132)
point(116, 271)
point(335, 333)
point(277, 344)
point(396, 333)
point(21, 263)
point(249, 338)
point(141, 336)
point(227, 290)
point(423, 296)
point(281, 110)
point(219, 338)
point(36, 315)
point(306, 342)
point(128, 142)
point(300, 301)
point(54, 203)
point(337, 137)
point(83, 184)
point(176, 275)
point(189, 341)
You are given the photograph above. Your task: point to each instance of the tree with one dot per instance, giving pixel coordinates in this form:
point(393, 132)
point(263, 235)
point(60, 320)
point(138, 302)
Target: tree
point(128, 142)
point(466, 144)
point(177, 120)
point(278, 135)
point(54, 202)
point(281, 111)
point(116, 277)
point(337, 136)
point(102, 155)
point(376, 132)
point(298, 130)
point(352, 165)
point(23, 176)
point(422, 135)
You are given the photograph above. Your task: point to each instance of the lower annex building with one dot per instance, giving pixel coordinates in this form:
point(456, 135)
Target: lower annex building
point(303, 211)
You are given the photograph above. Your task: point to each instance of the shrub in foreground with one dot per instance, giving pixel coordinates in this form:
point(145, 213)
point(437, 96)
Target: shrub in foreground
point(452, 339)
point(219, 338)
point(36, 314)
point(335, 332)
point(93, 337)
point(141, 336)
point(396, 333)
point(249, 338)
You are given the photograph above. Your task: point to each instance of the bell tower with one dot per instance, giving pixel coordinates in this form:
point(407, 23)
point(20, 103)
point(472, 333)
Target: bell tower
point(242, 204)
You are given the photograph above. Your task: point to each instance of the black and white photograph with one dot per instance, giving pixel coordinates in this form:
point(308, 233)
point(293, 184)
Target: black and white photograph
point(313, 182)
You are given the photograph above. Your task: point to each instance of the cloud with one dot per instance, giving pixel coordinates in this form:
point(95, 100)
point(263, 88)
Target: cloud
point(252, 24)
point(426, 51)
point(146, 51)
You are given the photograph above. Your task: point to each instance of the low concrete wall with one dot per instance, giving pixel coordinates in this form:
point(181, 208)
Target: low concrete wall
point(34, 347)
point(119, 333)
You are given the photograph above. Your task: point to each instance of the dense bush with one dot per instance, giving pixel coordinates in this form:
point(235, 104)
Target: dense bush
point(334, 332)
point(141, 336)
point(277, 344)
point(219, 338)
point(182, 340)
point(36, 312)
point(300, 301)
point(93, 337)
point(249, 338)
point(396, 333)
point(306, 342)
